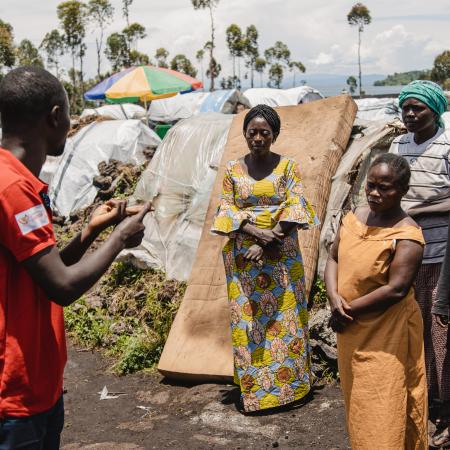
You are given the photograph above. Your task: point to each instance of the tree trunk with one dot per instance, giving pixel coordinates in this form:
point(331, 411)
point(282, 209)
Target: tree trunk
point(251, 75)
point(261, 78)
point(234, 70)
point(97, 43)
point(211, 52)
point(293, 84)
point(359, 61)
point(239, 71)
point(81, 81)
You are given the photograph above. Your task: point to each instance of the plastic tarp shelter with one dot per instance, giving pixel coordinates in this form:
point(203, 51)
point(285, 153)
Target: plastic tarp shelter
point(179, 181)
point(122, 111)
point(71, 185)
point(183, 106)
point(282, 97)
point(386, 109)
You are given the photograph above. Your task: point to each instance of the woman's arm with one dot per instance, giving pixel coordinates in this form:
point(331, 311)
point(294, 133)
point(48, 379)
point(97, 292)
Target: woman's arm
point(339, 307)
point(441, 306)
point(402, 273)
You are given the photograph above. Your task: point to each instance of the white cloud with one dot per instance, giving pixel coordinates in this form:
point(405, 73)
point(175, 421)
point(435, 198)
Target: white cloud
point(403, 35)
point(323, 59)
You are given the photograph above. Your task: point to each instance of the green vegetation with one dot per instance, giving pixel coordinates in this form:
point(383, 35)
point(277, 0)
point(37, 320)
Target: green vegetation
point(403, 78)
point(319, 292)
point(128, 316)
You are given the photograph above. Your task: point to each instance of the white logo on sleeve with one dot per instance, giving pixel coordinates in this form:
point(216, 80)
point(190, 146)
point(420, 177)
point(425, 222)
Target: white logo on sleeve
point(32, 219)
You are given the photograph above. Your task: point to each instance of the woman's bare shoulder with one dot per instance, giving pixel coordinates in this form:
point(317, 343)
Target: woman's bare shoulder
point(406, 221)
point(361, 213)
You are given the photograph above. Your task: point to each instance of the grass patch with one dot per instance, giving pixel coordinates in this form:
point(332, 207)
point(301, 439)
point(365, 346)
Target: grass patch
point(128, 315)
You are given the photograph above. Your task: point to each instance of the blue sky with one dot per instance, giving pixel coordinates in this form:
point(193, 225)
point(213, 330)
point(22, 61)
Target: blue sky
point(404, 35)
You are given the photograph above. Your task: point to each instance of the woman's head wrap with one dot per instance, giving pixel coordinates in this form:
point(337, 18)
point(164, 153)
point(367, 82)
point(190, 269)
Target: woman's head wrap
point(426, 92)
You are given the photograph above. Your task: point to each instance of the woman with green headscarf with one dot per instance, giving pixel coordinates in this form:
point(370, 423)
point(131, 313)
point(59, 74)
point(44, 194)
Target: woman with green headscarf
point(426, 146)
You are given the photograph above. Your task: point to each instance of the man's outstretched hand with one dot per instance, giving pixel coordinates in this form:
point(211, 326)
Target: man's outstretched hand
point(111, 213)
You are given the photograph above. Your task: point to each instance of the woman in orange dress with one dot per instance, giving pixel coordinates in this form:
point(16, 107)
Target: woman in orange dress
point(369, 277)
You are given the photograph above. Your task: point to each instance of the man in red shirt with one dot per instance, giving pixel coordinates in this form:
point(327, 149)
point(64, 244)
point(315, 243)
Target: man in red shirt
point(36, 278)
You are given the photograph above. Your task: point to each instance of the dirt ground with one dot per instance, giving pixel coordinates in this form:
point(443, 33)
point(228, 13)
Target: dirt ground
point(154, 413)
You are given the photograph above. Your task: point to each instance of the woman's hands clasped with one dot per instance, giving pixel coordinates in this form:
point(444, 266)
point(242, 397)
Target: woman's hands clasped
point(340, 313)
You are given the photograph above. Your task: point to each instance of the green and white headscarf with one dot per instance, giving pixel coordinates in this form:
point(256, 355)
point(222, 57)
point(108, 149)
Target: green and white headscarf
point(426, 92)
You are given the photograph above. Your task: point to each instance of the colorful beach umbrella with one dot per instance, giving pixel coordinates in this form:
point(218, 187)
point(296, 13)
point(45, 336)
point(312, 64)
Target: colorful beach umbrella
point(143, 83)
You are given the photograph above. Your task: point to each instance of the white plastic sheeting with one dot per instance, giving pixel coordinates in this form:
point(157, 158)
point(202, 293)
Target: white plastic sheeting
point(71, 186)
point(282, 97)
point(119, 112)
point(446, 120)
point(183, 106)
point(179, 181)
point(385, 109)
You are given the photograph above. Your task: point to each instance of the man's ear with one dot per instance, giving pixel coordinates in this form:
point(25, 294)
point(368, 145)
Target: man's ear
point(55, 116)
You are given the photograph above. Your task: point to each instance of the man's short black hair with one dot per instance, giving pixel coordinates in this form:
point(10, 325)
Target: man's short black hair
point(266, 112)
point(26, 94)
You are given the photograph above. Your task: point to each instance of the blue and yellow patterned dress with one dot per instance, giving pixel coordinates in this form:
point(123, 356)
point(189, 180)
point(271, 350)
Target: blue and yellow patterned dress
point(269, 317)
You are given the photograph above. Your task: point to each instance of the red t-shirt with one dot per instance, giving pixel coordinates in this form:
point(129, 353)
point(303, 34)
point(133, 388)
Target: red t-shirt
point(32, 340)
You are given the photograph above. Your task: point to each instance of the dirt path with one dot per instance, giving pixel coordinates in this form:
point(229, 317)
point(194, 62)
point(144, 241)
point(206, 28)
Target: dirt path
point(156, 415)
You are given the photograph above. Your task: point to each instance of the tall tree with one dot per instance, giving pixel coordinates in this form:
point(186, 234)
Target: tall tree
point(352, 84)
point(126, 10)
point(182, 64)
point(359, 16)
point(28, 54)
point(236, 43)
point(441, 69)
point(199, 57)
point(100, 14)
point(71, 15)
point(7, 52)
point(138, 59)
point(260, 65)
point(53, 46)
point(117, 51)
point(213, 66)
point(275, 75)
point(279, 57)
point(251, 50)
point(214, 69)
point(133, 33)
point(161, 56)
point(296, 65)
point(81, 54)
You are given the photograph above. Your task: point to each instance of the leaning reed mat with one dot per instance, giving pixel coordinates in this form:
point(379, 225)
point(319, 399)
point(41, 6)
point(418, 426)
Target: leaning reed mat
point(316, 135)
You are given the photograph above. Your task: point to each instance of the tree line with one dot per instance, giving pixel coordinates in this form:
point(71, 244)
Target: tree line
point(78, 18)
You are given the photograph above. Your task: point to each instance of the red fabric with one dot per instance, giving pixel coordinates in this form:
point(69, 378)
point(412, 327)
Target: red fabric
point(32, 340)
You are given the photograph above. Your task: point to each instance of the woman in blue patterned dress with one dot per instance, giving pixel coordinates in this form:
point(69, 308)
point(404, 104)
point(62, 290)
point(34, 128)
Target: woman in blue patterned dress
point(261, 208)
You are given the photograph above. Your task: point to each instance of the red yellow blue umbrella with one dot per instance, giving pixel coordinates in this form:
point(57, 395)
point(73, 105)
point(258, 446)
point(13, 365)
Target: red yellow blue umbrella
point(143, 83)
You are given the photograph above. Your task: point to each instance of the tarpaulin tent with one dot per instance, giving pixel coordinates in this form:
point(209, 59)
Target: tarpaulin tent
point(71, 185)
point(179, 181)
point(188, 105)
point(122, 111)
point(282, 97)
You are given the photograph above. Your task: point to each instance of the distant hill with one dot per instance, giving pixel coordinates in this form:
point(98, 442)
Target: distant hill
point(403, 78)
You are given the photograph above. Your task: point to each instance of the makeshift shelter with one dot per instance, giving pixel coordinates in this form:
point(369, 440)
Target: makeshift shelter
point(179, 181)
point(316, 135)
point(71, 185)
point(282, 97)
point(375, 109)
point(122, 111)
point(188, 105)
